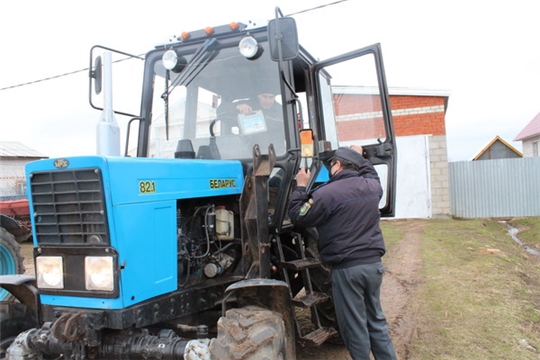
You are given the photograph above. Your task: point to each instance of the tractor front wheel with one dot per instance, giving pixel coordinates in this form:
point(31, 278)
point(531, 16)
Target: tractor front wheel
point(250, 333)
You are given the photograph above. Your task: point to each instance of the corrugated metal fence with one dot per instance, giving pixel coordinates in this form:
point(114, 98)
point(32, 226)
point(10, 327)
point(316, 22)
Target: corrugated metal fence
point(495, 188)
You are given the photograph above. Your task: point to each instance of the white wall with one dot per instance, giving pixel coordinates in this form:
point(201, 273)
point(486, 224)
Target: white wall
point(530, 147)
point(413, 196)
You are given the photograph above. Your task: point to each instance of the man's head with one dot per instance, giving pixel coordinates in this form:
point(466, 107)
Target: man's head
point(267, 89)
point(266, 100)
point(345, 158)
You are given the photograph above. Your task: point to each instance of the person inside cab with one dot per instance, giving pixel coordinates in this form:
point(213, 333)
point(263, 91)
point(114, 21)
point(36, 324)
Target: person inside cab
point(258, 116)
point(266, 91)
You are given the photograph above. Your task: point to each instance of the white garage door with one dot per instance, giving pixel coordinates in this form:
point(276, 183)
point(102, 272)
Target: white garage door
point(413, 197)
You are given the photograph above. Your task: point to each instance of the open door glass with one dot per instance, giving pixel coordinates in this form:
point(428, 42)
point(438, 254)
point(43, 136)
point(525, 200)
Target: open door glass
point(355, 109)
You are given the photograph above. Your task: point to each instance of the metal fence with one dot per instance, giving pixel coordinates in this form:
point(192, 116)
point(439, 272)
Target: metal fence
point(495, 188)
point(12, 179)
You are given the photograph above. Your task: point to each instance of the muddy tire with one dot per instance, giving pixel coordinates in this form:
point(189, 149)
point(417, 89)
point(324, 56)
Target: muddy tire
point(250, 333)
point(11, 260)
point(14, 319)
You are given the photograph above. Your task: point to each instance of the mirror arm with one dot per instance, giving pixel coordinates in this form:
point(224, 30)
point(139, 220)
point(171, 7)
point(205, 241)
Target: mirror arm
point(166, 104)
point(95, 74)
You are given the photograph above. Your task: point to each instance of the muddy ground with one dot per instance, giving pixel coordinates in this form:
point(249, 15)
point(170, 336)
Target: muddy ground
point(402, 277)
point(402, 263)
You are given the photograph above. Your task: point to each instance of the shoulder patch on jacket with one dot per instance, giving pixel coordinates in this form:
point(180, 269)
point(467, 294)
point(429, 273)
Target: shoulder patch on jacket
point(305, 208)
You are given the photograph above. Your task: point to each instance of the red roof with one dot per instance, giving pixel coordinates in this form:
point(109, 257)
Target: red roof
point(532, 129)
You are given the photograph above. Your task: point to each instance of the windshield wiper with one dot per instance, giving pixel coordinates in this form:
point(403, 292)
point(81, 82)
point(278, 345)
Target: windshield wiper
point(200, 59)
point(198, 62)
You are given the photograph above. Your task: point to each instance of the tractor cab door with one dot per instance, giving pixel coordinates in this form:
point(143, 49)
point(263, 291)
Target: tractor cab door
point(354, 108)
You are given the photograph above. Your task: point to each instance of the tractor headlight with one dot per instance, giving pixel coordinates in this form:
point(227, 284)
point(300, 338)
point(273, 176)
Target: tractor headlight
point(171, 61)
point(50, 272)
point(249, 48)
point(99, 273)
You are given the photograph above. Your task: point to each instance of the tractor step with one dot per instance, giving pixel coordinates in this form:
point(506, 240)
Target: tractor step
point(300, 264)
point(311, 300)
point(319, 336)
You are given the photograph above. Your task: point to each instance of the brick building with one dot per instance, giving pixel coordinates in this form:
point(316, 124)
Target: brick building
point(419, 125)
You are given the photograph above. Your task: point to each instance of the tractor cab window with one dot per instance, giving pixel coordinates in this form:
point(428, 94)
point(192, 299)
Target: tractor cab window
point(220, 106)
point(355, 109)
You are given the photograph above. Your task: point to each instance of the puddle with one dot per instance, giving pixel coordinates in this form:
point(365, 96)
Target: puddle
point(513, 233)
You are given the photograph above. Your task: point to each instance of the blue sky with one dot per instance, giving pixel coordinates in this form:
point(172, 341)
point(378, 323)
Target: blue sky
point(484, 54)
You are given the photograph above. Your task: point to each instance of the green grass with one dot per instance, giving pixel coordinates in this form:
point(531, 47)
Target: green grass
point(529, 230)
point(480, 294)
point(393, 232)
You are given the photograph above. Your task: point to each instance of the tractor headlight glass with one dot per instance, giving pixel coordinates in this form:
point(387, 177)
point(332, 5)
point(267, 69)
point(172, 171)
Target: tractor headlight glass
point(99, 273)
point(50, 272)
point(170, 59)
point(249, 47)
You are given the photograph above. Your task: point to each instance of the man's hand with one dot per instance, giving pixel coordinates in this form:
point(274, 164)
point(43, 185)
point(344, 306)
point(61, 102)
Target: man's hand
point(244, 109)
point(302, 177)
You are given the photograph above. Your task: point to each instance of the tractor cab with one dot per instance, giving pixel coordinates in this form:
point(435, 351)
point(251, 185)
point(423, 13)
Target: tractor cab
point(216, 93)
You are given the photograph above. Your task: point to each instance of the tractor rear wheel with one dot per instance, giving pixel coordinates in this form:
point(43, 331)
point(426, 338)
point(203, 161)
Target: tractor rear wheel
point(250, 333)
point(11, 260)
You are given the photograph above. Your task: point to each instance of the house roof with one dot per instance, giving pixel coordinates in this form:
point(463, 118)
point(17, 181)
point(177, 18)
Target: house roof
point(532, 129)
point(17, 149)
point(495, 139)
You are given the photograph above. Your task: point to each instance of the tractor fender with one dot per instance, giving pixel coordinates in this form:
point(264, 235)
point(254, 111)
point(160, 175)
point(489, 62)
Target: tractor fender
point(20, 232)
point(270, 294)
point(22, 287)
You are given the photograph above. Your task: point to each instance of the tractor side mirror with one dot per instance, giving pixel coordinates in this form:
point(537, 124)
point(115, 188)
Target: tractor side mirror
point(96, 75)
point(283, 38)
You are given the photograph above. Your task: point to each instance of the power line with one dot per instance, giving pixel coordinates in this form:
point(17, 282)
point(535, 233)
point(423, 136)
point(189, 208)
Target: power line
point(45, 79)
point(86, 69)
point(317, 7)
point(61, 75)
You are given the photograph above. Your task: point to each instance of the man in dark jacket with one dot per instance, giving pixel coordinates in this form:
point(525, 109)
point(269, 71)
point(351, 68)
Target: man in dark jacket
point(345, 211)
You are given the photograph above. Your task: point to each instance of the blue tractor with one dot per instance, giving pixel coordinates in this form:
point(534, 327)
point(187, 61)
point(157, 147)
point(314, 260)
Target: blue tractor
point(182, 248)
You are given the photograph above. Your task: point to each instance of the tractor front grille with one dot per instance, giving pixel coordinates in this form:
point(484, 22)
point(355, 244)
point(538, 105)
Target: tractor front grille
point(69, 207)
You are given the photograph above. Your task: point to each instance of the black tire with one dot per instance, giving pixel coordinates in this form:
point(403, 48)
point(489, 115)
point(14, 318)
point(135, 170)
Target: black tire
point(11, 259)
point(250, 333)
point(14, 319)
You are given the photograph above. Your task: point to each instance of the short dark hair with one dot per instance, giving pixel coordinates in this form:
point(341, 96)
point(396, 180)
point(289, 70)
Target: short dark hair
point(267, 85)
point(345, 164)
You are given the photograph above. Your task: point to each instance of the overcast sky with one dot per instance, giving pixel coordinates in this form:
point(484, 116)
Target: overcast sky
point(485, 54)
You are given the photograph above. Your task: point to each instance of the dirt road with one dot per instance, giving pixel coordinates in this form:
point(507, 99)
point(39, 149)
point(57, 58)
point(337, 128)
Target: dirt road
point(402, 277)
